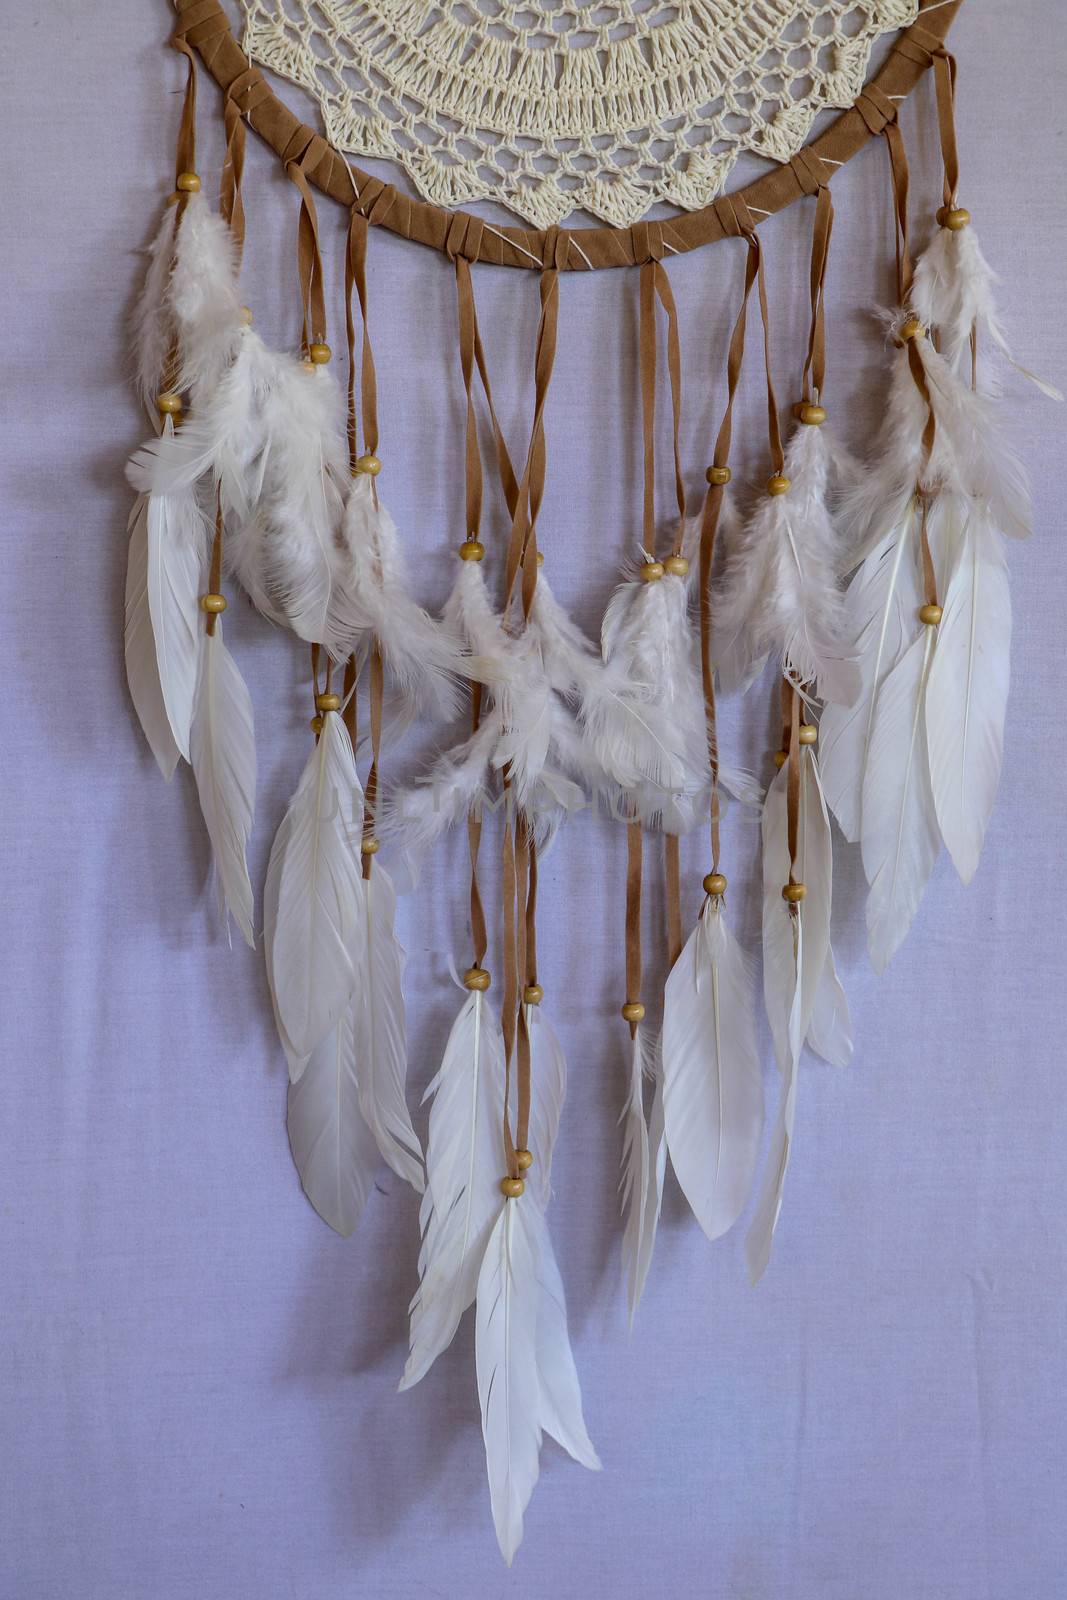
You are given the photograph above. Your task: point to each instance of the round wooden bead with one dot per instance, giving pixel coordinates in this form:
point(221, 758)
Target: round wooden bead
point(633, 1011)
point(715, 884)
point(677, 566)
point(369, 464)
point(911, 329)
point(954, 218)
point(780, 758)
point(810, 415)
point(168, 404)
point(187, 183)
point(930, 615)
point(512, 1187)
point(246, 316)
point(652, 571)
point(540, 558)
point(809, 733)
point(319, 354)
point(370, 846)
point(213, 604)
point(316, 725)
point(533, 994)
point(794, 893)
point(523, 1160)
point(778, 484)
point(718, 475)
point(471, 550)
point(476, 978)
point(328, 702)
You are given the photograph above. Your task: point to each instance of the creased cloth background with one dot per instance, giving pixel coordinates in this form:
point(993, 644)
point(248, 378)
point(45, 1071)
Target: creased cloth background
point(198, 1377)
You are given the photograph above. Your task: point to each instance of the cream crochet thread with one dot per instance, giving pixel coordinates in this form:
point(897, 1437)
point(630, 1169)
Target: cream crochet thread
point(558, 105)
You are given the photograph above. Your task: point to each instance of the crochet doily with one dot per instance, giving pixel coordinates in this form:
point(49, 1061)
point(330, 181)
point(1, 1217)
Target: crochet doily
point(552, 106)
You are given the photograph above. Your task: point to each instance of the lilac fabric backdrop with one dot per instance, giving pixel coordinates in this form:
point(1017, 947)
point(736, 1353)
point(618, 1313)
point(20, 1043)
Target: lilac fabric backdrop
point(198, 1377)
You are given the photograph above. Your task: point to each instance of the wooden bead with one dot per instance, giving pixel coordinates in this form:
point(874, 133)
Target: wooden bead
point(523, 1160)
point(319, 354)
point(246, 316)
point(187, 183)
point(911, 329)
point(213, 604)
point(715, 885)
point(328, 702)
point(717, 476)
point(369, 464)
point(930, 615)
point(476, 978)
point(778, 484)
point(677, 566)
point(809, 733)
point(471, 550)
point(794, 893)
point(533, 994)
point(651, 571)
point(780, 758)
point(811, 416)
point(512, 1187)
point(633, 1011)
point(316, 725)
point(540, 558)
point(168, 404)
point(370, 845)
point(954, 218)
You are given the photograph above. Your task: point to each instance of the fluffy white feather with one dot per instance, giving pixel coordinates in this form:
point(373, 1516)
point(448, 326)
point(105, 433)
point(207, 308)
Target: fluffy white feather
point(222, 749)
point(381, 1034)
point(712, 1086)
point(313, 899)
point(561, 1398)
point(464, 1165)
point(333, 1148)
point(509, 1387)
point(142, 668)
point(152, 328)
point(760, 1235)
point(177, 537)
point(203, 300)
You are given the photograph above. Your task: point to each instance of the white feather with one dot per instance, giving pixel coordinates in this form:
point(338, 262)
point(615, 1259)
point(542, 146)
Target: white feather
point(830, 1028)
point(177, 554)
point(152, 331)
point(222, 750)
point(313, 900)
point(464, 1165)
point(203, 300)
point(790, 978)
point(712, 1087)
point(643, 1164)
point(417, 814)
point(548, 1079)
point(967, 692)
point(899, 835)
point(814, 868)
point(509, 1387)
point(333, 1148)
point(381, 1036)
point(142, 668)
point(560, 1395)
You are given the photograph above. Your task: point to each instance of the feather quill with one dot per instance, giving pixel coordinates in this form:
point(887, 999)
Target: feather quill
point(223, 754)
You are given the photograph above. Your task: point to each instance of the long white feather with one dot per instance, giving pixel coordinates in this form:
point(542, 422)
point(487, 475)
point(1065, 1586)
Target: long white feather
point(814, 869)
point(222, 749)
point(509, 1388)
point(177, 554)
point(560, 1394)
point(760, 1235)
point(548, 1078)
point(643, 1162)
point(142, 668)
point(333, 1148)
point(899, 836)
point(313, 900)
point(712, 1087)
point(464, 1165)
point(830, 1028)
point(381, 1035)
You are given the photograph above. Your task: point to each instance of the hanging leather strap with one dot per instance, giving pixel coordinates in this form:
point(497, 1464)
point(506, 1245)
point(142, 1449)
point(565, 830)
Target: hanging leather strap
point(309, 255)
point(822, 229)
point(655, 285)
point(634, 851)
point(522, 546)
point(363, 368)
point(898, 166)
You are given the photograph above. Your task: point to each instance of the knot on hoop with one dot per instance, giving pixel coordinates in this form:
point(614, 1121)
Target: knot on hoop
point(648, 242)
point(554, 247)
point(206, 17)
point(464, 238)
point(735, 219)
point(920, 45)
point(876, 108)
point(809, 170)
point(248, 90)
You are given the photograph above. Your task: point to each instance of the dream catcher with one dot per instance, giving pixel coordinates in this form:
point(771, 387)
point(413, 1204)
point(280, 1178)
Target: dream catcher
point(878, 590)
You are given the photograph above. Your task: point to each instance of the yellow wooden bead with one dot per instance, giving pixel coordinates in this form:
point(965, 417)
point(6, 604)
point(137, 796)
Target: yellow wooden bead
point(652, 571)
point(370, 465)
point(677, 566)
point(633, 1011)
point(168, 404)
point(809, 733)
point(319, 354)
point(246, 316)
point(471, 550)
point(213, 603)
point(794, 893)
point(328, 702)
point(718, 475)
point(540, 558)
point(715, 884)
point(810, 415)
point(512, 1187)
point(187, 183)
point(370, 846)
point(930, 615)
point(533, 994)
point(523, 1160)
point(476, 978)
point(316, 725)
point(911, 329)
point(778, 484)
point(954, 218)
point(780, 758)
